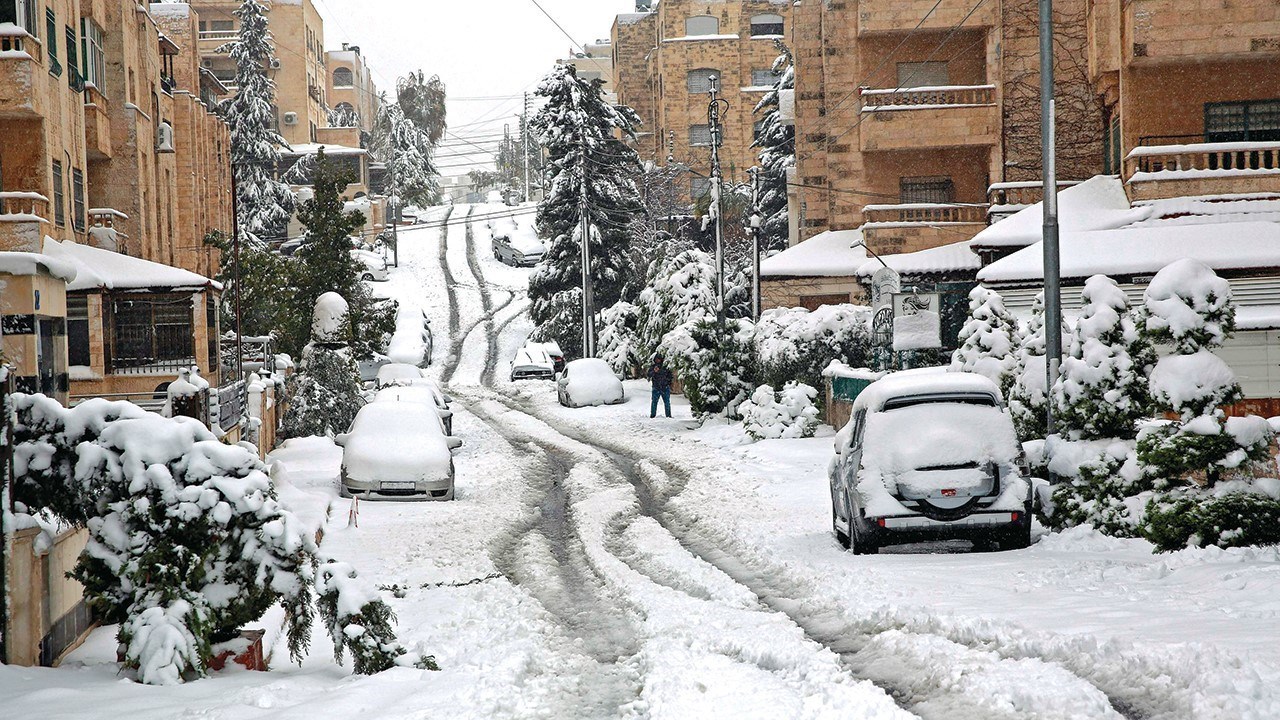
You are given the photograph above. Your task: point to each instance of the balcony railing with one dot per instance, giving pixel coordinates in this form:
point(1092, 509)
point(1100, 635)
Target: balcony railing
point(23, 207)
point(219, 35)
point(922, 98)
point(16, 40)
point(1180, 162)
point(1013, 196)
point(926, 214)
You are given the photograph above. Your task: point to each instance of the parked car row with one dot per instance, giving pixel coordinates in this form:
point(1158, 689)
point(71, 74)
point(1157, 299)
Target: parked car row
point(584, 382)
point(401, 444)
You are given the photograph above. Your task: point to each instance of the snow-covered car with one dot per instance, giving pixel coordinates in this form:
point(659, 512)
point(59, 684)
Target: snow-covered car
point(372, 265)
point(552, 349)
point(412, 342)
point(589, 381)
point(398, 373)
point(929, 456)
point(369, 367)
point(495, 196)
point(521, 249)
point(532, 364)
point(424, 394)
point(397, 450)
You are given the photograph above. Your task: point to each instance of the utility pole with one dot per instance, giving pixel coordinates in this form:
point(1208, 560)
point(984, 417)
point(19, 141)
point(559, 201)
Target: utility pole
point(524, 141)
point(588, 314)
point(671, 182)
point(755, 243)
point(717, 180)
point(1052, 268)
point(394, 199)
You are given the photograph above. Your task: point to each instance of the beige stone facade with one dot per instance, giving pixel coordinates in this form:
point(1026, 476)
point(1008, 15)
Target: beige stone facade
point(1191, 94)
point(663, 59)
point(907, 113)
point(595, 62)
point(299, 69)
point(350, 85)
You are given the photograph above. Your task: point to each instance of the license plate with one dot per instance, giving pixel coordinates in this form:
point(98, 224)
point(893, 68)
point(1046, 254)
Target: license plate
point(397, 486)
point(949, 492)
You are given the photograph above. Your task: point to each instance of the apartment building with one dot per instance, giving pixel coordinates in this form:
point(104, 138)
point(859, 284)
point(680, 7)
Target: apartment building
point(595, 62)
point(664, 61)
point(299, 68)
point(350, 85)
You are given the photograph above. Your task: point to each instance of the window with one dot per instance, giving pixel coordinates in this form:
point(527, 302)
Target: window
point(151, 333)
point(343, 78)
point(762, 78)
point(211, 331)
point(51, 40)
point(700, 135)
point(922, 74)
point(74, 78)
point(700, 80)
point(701, 25)
point(21, 13)
point(78, 330)
point(926, 190)
point(77, 199)
point(699, 187)
point(222, 25)
point(95, 61)
point(1256, 120)
point(1111, 144)
point(767, 24)
point(59, 196)
point(756, 129)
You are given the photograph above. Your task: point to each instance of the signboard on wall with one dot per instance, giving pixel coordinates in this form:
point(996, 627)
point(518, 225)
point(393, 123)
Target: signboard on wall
point(917, 321)
point(884, 283)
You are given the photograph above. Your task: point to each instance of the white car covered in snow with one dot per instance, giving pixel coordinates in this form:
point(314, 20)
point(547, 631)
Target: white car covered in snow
point(929, 455)
point(372, 266)
point(397, 450)
point(589, 381)
point(398, 373)
point(412, 343)
point(423, 394)
point(532, 364)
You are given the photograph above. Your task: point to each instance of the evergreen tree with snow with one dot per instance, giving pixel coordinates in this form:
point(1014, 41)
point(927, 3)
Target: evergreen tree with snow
point(1028, 395)
point(264, 204)
point(406, 149)
point(1102, 392)
point(989, 340)
point(422, 101)
point(587, 165)
point(620, 338)
point(683, 291)
point(324, 395)
point(777, 143)
point(325, 265)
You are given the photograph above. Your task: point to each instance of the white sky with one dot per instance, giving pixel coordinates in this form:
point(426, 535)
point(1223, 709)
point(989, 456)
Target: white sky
point(480, 48)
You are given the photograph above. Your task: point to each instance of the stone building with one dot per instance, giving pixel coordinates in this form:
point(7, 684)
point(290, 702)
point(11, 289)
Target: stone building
point(350, 85)
point(595, 62)
point(299, 68)
point(664, 59)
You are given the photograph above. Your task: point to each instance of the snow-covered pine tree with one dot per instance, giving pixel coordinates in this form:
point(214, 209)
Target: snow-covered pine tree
point(327, 266)
point(620, 338)
point(324, 395)
point(423, 101)
point(1028, 396)
point(577, 127)
point(1103, 388)
point(989, 340)
point(406, 150)
point(683, 291)
point(263, 203)
point(777, 143)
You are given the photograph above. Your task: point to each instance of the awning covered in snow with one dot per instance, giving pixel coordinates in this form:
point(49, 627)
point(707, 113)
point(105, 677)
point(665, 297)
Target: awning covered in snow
point(828, 254)
point(103, 269)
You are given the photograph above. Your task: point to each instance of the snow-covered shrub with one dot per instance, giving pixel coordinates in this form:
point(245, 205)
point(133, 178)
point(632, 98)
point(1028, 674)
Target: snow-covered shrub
point(989, 340)
point(1103, 390)
point(619, 338)
point(787, 413)
point(684, 291)
point(1028, 395)
point(1101, 485)
point(1187, 518)
point(360, 622)
point(324, 395)
point(794, 344)
point(714, 364)
point(1189, 308)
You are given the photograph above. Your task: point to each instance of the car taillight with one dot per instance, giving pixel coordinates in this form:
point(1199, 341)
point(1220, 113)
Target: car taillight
point(881, 522)
point(1015, 517)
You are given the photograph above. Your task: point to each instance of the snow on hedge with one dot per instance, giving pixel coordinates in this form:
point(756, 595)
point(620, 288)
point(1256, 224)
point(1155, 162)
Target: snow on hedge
point(786, 413)
point(989, 340)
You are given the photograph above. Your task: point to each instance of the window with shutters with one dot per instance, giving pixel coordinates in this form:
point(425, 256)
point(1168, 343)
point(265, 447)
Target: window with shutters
point(701, 25)
point(700, 80)
point(343, 78)
point(59, 196)
point(51, 42)
point(766, 25)
point(931, 190)
point(700, 135)
point(922, 74)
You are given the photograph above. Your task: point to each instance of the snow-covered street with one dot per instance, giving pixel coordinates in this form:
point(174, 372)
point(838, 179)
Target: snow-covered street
point(598, 564)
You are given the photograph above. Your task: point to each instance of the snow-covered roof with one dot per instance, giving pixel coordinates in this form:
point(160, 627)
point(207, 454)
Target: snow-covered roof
point(1095, 204)
point(955, 257)
point(97, 268)
point(25, 263)
point(827, 254)
point(1146, 249)
point(632, 18)
point(329, 149)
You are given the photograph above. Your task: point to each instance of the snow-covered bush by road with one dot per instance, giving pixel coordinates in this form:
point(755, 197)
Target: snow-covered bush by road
point(989, 340)
point(794, 344)
point(787, 413)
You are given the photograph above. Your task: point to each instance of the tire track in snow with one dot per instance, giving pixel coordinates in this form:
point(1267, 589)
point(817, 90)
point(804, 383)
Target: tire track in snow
point(455, 314)
point(490, 372)
point(486, 299)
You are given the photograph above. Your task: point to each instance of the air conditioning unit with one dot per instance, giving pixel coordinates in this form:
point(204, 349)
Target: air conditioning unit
point(276, 64)
point(164, 138)
point(206, 63)
point(291, 118)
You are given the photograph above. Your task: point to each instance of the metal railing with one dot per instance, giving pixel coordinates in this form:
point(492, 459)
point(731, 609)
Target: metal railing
point(1230, 157)
point(926, 213)
point(226, 406)
point(920, 98)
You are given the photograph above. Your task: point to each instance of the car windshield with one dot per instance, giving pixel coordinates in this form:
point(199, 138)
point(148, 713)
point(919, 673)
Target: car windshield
point(938, 435)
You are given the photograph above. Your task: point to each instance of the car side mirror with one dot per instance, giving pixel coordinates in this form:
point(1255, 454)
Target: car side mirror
point(447, 398)
point(454, 443)
point(341, 439)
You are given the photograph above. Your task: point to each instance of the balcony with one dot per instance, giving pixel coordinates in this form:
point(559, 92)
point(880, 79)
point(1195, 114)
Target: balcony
point(1173, 30)
point(1164, 171)
point(22, 217)
point(97, 124)
point(929, 117)
point(1007, 198)
point(20, 56)
point(911, 227)
point(902, 16)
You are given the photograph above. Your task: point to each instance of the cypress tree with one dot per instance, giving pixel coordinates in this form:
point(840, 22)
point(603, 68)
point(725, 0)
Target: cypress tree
point(777, 143)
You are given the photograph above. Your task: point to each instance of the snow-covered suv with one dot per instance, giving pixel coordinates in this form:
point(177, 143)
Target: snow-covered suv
point(929, 455)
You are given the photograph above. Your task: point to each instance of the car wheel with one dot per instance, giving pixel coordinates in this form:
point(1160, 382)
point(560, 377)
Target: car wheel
point(858, 543)
point(367, 277)
point(841, 537)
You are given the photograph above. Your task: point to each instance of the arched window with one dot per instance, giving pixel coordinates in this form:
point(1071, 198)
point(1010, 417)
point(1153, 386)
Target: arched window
point(700, 79)
point(767, 24)
point(343, 78)
point(345, 107)
point(701, 25)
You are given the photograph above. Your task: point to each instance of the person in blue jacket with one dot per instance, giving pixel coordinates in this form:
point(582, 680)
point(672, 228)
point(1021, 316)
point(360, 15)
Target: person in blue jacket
point(660, 379)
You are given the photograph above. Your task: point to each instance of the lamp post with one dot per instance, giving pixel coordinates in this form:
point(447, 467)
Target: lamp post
point(1052, 268)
